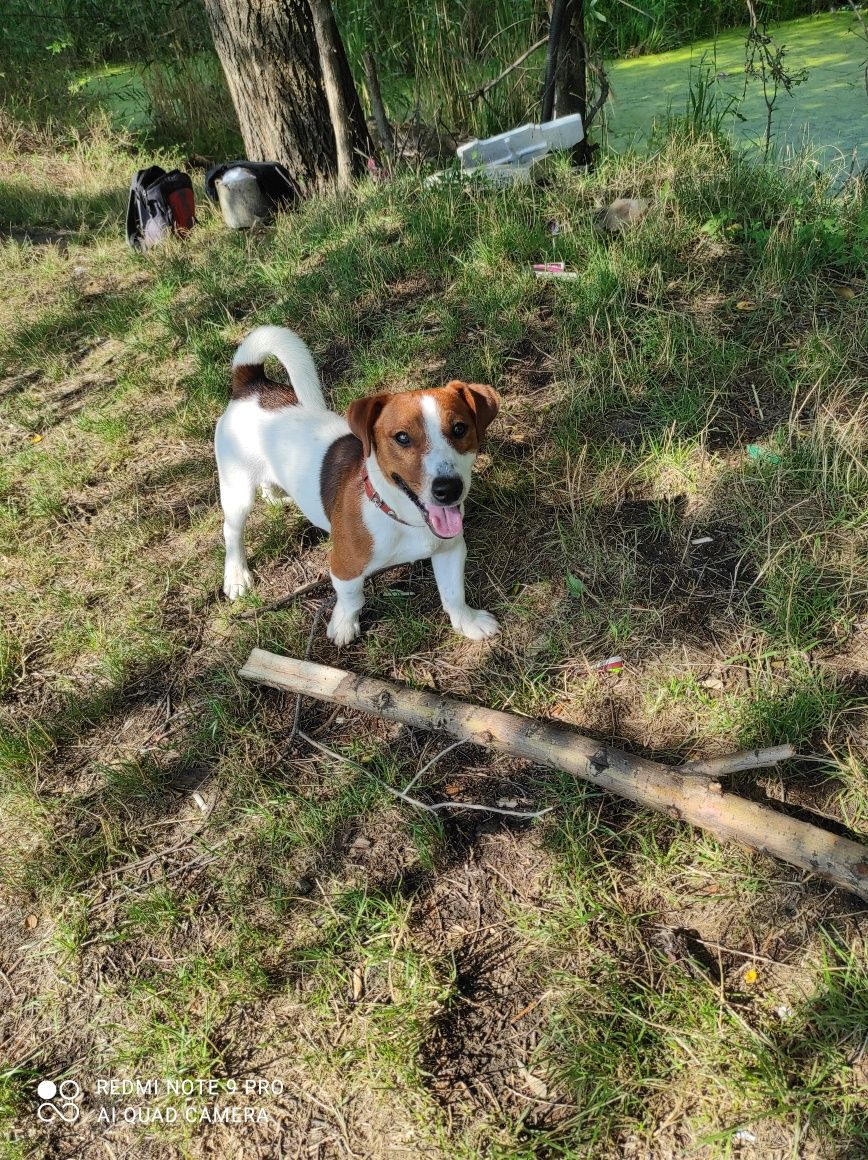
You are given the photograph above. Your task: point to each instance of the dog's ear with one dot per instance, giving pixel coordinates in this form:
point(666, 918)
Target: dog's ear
point(483, 401)
point(362, 415)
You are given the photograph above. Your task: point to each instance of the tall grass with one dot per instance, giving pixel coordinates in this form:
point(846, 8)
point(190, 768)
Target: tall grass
point(432, 56)
point(190, 106)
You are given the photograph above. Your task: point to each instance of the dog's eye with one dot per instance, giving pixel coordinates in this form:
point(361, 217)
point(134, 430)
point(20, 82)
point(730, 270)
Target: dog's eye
point(402, 438)
point(459, 429)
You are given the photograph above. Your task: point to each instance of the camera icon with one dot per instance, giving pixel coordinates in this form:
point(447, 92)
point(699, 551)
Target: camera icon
point(60, 1102)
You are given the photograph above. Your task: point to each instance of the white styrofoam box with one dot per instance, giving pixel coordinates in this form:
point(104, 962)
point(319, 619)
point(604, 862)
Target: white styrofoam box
point(526, 143)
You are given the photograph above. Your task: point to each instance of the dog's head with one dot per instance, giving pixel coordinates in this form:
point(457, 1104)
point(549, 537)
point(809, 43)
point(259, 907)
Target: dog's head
point(425, 442)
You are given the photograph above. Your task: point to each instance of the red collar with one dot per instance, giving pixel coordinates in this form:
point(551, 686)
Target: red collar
point(376, 498)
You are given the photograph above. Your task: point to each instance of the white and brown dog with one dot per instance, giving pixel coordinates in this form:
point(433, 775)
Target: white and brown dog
point(388, 481)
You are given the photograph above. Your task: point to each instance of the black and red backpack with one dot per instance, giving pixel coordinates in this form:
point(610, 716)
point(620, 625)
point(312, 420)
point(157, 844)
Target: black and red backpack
point(160, 204)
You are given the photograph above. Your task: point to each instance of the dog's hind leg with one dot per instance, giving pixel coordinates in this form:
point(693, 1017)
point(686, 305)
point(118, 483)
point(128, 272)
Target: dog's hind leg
point(236, 499)
point(237, 495)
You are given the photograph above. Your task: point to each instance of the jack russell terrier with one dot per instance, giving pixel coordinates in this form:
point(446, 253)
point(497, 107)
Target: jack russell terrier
point(388, 481)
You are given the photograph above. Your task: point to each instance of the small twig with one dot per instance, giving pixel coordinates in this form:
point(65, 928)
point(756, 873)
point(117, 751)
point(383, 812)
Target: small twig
point(139, 864)
point(180, 868)
point(602, 95)
point(733, 762)
point(275, 604)
point(9, 985)
point(403, 796)
point(741, 954)
point(863, 35)
point(480, 92)
point(432, 763)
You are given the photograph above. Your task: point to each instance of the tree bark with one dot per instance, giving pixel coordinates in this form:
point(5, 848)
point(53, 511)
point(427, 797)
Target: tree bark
point(378, 109)
point(269, 53)
point(556, 27)
point(679, 793)
point(330, 55)
point(571, 95)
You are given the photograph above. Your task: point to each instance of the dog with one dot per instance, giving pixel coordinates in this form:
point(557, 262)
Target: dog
point(388, 482)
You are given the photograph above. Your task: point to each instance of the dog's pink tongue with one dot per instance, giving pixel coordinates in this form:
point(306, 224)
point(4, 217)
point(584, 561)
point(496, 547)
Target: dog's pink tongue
point(446, 521)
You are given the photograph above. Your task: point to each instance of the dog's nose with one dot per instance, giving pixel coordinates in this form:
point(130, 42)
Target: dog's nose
point(446, 489)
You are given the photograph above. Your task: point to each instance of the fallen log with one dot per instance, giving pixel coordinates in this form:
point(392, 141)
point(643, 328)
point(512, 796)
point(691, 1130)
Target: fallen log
point(684, 794)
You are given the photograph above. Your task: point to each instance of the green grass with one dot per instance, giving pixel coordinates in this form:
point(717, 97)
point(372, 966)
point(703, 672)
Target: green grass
point(425, 978)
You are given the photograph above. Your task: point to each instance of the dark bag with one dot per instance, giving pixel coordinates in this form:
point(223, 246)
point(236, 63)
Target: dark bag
point(274, 182)
point(160, 204)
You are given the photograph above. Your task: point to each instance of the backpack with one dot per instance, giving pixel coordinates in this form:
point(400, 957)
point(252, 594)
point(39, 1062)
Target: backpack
point(160, 204)
point(276, 186)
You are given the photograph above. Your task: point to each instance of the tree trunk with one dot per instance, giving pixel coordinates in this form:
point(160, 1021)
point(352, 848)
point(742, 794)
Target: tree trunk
point(556, 27)
point(378, 110)
point(332, 59)
point(572, 73)
point(571, 94)
point(269, 53)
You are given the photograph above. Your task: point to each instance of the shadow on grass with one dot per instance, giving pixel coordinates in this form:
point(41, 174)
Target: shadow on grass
point(44, 216)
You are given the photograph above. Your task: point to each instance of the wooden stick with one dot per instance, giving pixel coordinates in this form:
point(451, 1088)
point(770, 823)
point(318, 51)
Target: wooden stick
point(680, 795)
point(477, 93)
point(733, 762)
point(311, 586)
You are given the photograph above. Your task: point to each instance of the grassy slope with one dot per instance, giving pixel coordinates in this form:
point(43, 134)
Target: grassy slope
point(603, 983)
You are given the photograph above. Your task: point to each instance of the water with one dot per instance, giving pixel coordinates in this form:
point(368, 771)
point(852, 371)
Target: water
point(828, 112)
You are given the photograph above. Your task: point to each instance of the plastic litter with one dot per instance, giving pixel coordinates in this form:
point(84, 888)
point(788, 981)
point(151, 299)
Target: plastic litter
point(524, 144)
point(754, 451)
point(743, 1136)
point(610, 665)
point(506, 159)
point(241, 201)
point(565, 274)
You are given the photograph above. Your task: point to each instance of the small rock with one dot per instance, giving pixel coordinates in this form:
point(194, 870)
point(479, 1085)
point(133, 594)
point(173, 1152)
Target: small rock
point(624, 212)
point(361, 843)
point(712, 683)
point(31, 922)
point(507, 803)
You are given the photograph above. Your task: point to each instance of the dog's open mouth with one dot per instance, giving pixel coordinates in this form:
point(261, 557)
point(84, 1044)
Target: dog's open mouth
point(445, 522)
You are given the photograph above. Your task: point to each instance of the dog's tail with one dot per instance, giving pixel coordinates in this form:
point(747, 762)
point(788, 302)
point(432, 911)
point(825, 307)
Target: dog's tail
point(248, 370)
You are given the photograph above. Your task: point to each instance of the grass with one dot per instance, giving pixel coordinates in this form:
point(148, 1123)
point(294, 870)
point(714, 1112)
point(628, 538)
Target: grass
point(602, 983)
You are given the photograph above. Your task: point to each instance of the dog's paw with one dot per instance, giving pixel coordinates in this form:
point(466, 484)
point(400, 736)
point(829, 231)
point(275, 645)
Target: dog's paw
point(236, 581)
point(343, 627)
point(475, 623)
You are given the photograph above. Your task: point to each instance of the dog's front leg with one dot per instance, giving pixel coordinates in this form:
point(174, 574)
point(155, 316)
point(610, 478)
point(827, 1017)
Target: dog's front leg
point(344, 624)
point(448, 565)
